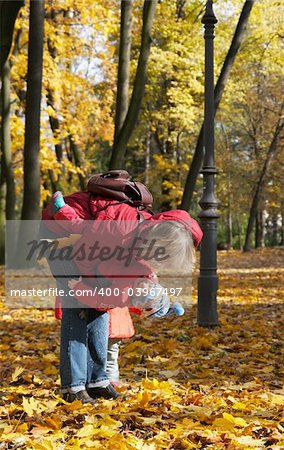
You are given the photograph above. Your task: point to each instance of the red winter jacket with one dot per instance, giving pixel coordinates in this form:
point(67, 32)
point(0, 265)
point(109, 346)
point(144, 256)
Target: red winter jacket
point(84, 207)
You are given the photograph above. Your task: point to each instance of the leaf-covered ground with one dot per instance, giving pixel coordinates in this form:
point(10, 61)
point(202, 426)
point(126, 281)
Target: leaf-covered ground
point(186, 387)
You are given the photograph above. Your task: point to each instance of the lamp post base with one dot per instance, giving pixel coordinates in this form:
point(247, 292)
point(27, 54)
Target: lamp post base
point(207, 315)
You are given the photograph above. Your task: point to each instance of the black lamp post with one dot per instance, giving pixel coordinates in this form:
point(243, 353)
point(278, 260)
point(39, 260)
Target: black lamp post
point(208, 280)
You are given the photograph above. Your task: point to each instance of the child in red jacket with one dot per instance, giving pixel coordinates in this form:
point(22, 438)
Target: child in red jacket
point(126, 212)
point(120, 322)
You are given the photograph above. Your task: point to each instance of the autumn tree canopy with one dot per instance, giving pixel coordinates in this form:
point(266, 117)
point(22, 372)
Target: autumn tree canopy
point(94, 50)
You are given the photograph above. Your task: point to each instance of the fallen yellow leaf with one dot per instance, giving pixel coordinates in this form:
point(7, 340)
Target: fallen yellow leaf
point(17, 372)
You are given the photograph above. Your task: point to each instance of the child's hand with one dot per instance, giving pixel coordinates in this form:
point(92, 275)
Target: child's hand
point(159, 307)
point(176, 309)
point(72, 283)
point(151, 299)
point(154, 302)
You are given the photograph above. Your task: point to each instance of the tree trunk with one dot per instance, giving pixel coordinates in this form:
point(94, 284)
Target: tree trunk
point(2, 212)
point(123, 66)
point(55, 128)
point(8, 14)
point(256, 229)
point(229, 188)
point(230, 229)
point(178, 155)
point(275, 229)
point(229, 216)
point(180, 9)
point(54, 121)
point(282, 225)
point(119, 148)
point(259, 229)
point(31, 201)
point(6, 143)
point(54, 125)
point(148, 155)
point(260, 184)
point(239, 231)
point(53, 182)
point(219, 89)
point(79, 162)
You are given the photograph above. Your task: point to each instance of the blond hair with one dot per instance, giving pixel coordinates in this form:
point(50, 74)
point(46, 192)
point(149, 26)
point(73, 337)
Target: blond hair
point(178, 243)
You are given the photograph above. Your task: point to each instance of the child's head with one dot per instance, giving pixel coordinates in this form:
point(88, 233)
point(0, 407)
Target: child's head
point(176, 241)
point(178, 234)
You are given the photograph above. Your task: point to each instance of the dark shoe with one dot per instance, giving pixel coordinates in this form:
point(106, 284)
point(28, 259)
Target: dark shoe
point(107, 392)
point(83, 396)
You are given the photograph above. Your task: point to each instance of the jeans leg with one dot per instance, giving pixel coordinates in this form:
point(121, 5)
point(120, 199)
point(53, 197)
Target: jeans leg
point(83, 349)
point(112, 368)
point(73, 343)
point(73, 350)
point(97, 335)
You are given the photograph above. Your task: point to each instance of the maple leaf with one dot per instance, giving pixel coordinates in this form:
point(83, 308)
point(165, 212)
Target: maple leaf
point(32, 406)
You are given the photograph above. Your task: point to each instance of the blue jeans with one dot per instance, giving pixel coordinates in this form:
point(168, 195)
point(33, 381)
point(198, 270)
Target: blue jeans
point(83, 344)
point(83, 347)
point(84, 340)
